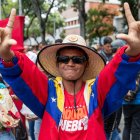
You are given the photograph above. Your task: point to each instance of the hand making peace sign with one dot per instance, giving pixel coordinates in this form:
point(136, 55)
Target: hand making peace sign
point(5, 37)
point(133, 36)
point(132, 39)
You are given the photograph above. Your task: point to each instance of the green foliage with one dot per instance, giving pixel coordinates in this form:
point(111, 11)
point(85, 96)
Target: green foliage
point(46, 20)
point(62, 5)
point(33, 27)
point(7, 5)
point(54, 22)
point(34, 30)
point(99, 23)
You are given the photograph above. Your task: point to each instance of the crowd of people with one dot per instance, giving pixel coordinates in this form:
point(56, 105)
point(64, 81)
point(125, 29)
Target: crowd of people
point(68, 90)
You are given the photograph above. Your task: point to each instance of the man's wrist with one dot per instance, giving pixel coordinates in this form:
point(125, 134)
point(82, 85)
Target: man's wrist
point(132, 52)
point(8, 57)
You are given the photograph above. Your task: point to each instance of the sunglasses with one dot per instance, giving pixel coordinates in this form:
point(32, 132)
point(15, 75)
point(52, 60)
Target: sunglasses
point(75, 59)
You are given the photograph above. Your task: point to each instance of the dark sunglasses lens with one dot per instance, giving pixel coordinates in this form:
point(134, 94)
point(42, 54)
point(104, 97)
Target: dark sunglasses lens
point(63, 59)
point(78, 59)
point(75, 59)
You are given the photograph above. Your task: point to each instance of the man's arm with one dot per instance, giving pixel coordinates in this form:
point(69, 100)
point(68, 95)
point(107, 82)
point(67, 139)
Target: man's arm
point(119, 75)
point(27, 82)
point(133, 36)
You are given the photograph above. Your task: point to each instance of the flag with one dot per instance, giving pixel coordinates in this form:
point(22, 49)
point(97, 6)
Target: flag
point(17, 32)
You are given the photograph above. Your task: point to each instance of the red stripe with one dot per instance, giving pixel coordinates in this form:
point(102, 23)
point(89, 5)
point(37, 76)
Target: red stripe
point(96, 126)
point(48, 129)
point(134, 59)
point(34, 78)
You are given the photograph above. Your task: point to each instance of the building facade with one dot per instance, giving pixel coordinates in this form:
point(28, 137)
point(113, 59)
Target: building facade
point(72, 25)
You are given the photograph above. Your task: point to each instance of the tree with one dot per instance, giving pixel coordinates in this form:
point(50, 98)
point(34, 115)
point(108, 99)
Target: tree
point(42, 10)
point(6, 6)
point(38, 13)
point(57, 22)
point(99, 23)
point(80, 6)
point(39, 10)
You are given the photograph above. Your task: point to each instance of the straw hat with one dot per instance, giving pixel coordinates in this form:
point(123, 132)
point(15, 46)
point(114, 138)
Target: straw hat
point(47, 57)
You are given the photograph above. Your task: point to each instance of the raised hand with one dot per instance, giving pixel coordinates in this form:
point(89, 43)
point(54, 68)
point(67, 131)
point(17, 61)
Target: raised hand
point(5, 38)
point(133, 37)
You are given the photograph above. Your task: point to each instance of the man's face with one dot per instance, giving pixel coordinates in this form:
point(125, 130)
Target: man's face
point(107, 48)
point(71, 70)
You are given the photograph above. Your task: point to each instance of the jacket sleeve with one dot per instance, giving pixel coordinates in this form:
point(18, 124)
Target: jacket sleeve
point(27, 82)
point(115, 80)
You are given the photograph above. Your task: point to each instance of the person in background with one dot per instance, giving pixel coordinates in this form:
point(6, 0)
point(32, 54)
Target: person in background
point(131, 111)
point(106, 51)
point(30, 54)
point(112, 122)
point(20, 131)
point(116, 44)
point(58, 41)
point(41, 46)
point(109, 122)
point(72, 106)
point(9, 115)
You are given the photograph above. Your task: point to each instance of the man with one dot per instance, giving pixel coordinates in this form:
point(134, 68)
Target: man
point(106, 51)
point(111, 123)
point(131, 111)
point(73, 105)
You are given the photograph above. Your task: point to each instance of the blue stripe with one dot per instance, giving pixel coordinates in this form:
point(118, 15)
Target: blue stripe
point(126, 75)
point(114, 99)
point(11, 72)
point(127, 72)
point(51, 107)
point(93, 103)
point(136, 100)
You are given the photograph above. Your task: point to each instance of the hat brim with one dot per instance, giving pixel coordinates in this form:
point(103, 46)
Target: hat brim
point(47, 60)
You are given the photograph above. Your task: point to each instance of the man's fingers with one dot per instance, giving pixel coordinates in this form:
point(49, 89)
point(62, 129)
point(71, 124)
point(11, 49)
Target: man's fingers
point(12, 42)
point(1, 33)
point(11, 20)
point(128, 13)
point(124, 37)
point(7, 44)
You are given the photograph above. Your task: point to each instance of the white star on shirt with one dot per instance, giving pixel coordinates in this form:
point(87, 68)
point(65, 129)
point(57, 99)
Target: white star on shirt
point(92, 94)
point(53, 99)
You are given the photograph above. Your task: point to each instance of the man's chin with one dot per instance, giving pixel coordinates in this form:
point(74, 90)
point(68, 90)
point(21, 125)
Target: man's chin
point(71, 78)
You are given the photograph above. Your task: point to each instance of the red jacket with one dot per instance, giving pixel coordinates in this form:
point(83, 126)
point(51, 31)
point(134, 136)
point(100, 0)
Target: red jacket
point(35, 90)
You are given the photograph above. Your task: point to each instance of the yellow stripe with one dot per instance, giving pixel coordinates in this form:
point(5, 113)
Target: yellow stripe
point(60, 94)
point(90, 83)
